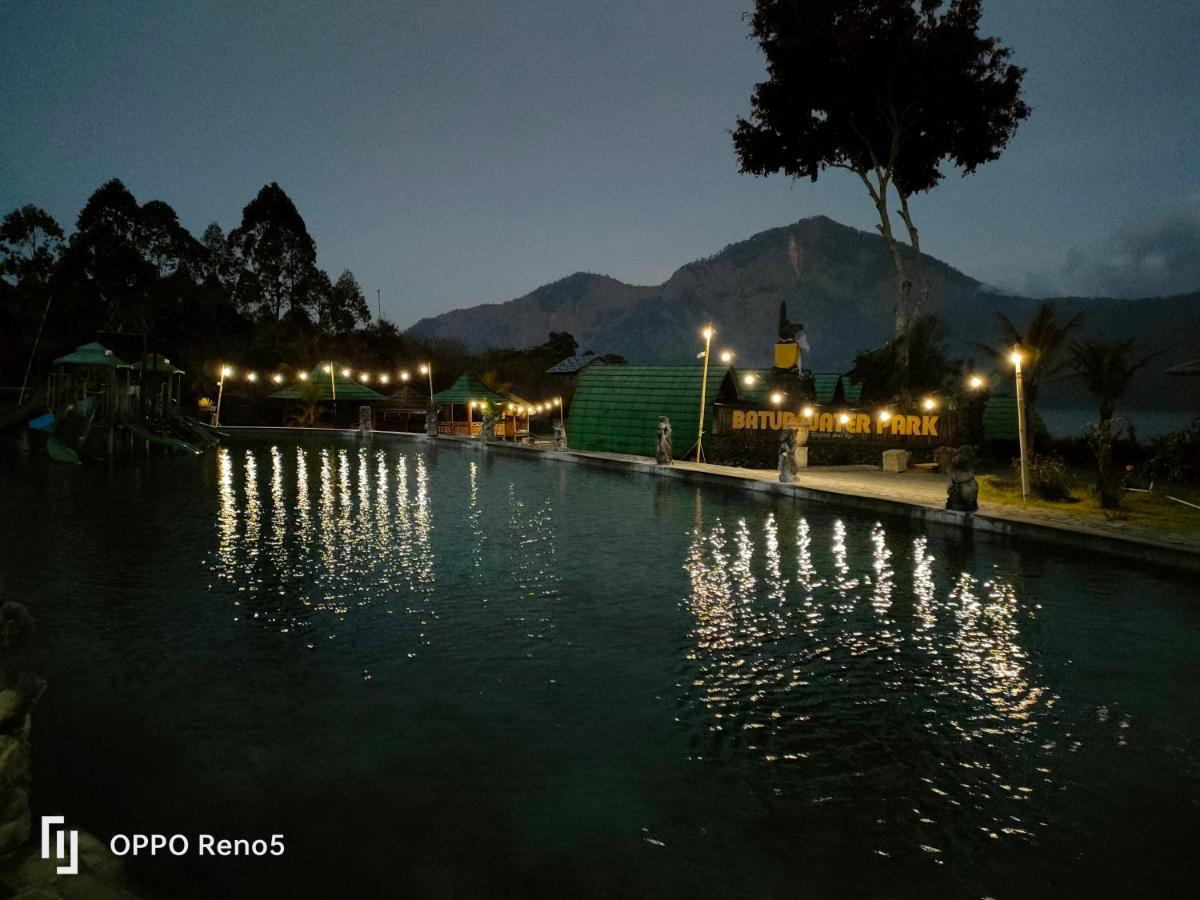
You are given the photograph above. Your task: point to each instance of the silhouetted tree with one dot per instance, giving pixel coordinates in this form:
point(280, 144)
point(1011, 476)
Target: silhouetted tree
point(889, 90)
point(277, 257)
point(345, 305)
point(30, 243)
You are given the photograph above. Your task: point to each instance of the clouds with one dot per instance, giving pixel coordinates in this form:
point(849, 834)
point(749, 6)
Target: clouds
point(1152, 256)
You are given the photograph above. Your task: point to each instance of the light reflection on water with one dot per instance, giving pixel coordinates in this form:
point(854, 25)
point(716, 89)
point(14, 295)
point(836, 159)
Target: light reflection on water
point(804, 681)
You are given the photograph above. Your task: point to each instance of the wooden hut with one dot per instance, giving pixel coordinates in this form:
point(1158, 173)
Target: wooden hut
point(91, 372)
point(463, 405)
point(324, 385)
point(404, 409)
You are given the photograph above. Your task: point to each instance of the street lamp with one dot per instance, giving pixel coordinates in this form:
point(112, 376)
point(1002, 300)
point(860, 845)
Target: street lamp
point(1022, 436)
point(226, 371)
point(976, 382)
point(708, 336)
point(427, 369)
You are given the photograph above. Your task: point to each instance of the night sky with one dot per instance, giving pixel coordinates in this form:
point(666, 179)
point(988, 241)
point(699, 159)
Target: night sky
point(466, 152)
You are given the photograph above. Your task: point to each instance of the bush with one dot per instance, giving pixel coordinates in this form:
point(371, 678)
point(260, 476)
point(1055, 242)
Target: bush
point(1176, 456)
point(1048, 477)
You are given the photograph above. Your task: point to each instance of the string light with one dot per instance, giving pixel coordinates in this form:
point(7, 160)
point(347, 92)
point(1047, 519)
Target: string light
point(404, 376)
point(365, 376)
point(384, 378)
point(345, 373)
point(277, 378)
point(975, 382)
point(252, 376)
point(327, 369)
point(304, 376)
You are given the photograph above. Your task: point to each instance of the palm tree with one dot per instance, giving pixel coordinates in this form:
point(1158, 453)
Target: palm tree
point(1107, 370)
point(1041, 345)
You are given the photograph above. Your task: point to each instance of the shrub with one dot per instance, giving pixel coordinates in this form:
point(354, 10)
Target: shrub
point(1176, 456)
point(1048, 477)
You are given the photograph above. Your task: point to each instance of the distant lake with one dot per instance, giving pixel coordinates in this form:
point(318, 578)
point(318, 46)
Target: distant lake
point(1147, 423)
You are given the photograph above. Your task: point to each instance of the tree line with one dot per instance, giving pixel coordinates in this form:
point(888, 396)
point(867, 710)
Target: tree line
point(133, 277)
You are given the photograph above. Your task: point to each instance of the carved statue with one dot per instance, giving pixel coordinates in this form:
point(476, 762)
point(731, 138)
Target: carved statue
point(560, 437)
point(663, 453)
point(791, 331)
point(487, 427)
point(963, 493)
point(792, 343)
point(789, 449)
point(366, 421)
point(431, 420)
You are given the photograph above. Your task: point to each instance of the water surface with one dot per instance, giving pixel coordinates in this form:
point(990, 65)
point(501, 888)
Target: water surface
point(442, 672)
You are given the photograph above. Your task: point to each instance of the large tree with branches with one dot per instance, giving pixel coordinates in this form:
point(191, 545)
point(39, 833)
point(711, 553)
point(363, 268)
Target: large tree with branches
point(893, 91)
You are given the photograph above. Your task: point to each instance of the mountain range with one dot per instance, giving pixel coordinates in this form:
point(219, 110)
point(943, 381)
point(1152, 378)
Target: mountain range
point(838, 282)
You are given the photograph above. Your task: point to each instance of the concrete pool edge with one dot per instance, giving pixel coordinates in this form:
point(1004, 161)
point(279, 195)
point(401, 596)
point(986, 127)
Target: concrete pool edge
point(1131, 548)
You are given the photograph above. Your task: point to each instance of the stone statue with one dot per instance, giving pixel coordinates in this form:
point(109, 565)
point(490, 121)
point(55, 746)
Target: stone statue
point(431, 420)
point(487, 427)
point(789, 452)
point(963, 493)
point(366, 421)
point(560, 437)
point(663, 453)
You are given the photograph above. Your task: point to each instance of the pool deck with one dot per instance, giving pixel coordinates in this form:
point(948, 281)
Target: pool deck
point(911, 495)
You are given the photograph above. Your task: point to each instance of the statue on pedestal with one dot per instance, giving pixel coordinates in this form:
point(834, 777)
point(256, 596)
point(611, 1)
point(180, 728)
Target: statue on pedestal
point(790, 448)
point(663, 452)
point(963, 493)
point(431, 420)
point(560, 437)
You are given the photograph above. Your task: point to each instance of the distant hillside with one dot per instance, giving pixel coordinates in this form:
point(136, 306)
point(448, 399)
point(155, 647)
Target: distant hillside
point(836, 280)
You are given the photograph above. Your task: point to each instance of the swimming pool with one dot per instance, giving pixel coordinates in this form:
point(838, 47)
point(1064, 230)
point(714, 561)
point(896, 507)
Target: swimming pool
point(435, 670)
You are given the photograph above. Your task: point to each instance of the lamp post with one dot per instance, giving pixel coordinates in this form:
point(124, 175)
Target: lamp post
point(708, 334)
point(225, 372)
point(427, 369)
point(1022, 436)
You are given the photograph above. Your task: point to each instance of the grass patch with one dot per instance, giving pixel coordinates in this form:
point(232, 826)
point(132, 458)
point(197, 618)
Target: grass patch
point(1151, 511)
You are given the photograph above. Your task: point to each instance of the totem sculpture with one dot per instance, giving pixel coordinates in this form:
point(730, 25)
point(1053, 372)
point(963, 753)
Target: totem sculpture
point(789, 452)
point(431, 420)
point(663, 452)
point(560, 437)
point(963, 493)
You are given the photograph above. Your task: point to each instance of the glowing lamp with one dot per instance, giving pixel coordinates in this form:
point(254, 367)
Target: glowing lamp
point(928, 403)
point(304, 376)
point(844, 418)
point(252, 376)
point(726, 356)
point(885, 416)
point(807, 412)
point(226, 371)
